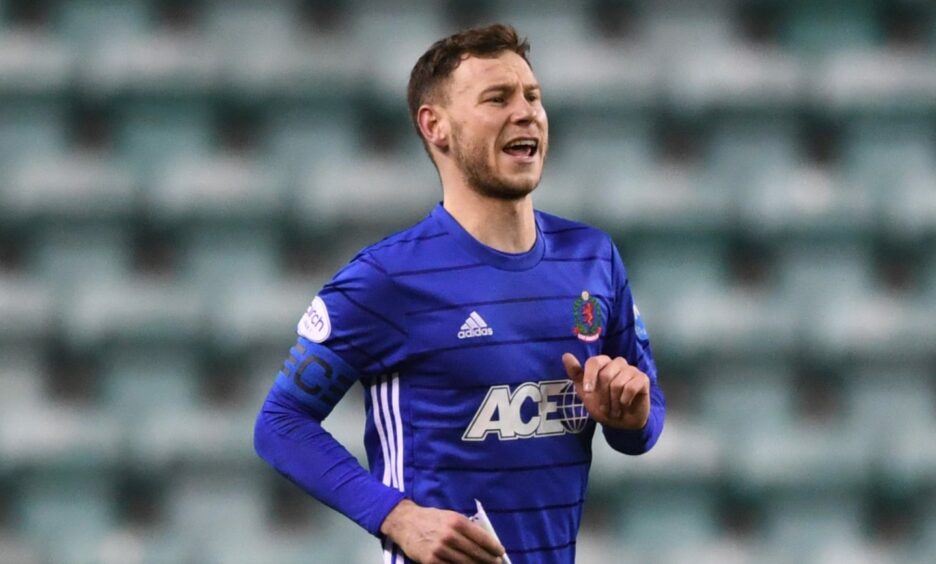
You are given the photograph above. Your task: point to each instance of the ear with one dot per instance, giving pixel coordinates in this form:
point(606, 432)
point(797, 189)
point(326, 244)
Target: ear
point(434, 126)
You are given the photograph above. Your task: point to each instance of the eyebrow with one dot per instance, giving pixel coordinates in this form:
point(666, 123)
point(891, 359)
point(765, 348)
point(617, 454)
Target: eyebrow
point(503, 87)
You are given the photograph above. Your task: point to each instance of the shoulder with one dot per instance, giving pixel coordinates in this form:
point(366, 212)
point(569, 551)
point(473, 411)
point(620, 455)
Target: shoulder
point(572, 239)
point(376, 261)
point(565, 233)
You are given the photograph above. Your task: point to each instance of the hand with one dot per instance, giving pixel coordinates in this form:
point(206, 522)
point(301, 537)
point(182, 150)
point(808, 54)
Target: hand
point(615, 393)
point(435, 535)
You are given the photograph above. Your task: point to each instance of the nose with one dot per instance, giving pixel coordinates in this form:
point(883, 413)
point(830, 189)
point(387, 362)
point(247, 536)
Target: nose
point(524, 111)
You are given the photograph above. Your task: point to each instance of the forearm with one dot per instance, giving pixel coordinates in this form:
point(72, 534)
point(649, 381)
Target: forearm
point(639, 441)
point(293, 442)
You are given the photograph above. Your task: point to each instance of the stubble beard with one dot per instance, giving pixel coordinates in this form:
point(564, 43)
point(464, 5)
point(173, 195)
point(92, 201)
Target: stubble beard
point(480, 177)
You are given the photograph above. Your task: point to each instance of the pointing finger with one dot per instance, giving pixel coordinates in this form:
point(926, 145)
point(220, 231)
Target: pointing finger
point(573, 367)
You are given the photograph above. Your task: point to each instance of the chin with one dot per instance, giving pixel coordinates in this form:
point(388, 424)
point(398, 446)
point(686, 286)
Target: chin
point(508, 190)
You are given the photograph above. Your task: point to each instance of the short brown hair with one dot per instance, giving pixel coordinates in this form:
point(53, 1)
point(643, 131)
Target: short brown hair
point(444, 56)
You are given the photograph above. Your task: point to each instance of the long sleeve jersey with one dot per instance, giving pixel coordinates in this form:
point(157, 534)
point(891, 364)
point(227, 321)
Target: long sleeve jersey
point(458, 350)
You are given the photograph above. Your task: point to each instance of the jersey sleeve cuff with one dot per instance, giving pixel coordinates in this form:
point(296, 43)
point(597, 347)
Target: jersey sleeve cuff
point(382, 508)
point(639, 441)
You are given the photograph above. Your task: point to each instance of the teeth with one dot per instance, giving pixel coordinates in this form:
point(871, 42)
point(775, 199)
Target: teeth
point(523, 143)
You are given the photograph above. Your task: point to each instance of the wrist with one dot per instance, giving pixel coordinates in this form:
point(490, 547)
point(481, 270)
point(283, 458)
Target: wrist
point(398, 515)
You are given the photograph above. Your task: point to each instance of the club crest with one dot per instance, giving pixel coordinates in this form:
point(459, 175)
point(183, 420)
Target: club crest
point(588, 318)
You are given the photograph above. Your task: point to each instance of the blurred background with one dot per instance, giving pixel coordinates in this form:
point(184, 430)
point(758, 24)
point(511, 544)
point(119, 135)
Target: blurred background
point(179, 177)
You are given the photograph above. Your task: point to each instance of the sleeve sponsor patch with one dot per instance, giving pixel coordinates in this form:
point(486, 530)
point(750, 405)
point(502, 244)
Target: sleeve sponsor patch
point(639, 328)
point(315, 325)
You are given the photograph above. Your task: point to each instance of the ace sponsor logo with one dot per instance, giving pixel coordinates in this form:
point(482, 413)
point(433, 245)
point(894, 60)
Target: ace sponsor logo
point(532, 409)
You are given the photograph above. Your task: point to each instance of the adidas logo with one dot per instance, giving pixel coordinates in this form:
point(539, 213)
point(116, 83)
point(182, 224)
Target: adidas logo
point(474, 326)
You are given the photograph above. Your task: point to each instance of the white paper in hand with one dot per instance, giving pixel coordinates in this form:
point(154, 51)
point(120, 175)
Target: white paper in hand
point(482, 520)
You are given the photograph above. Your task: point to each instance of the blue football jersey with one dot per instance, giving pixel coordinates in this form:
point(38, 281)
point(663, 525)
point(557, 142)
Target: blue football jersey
point(458, 347)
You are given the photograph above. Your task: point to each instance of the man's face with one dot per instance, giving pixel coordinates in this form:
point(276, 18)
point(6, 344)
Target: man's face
point(499, 132)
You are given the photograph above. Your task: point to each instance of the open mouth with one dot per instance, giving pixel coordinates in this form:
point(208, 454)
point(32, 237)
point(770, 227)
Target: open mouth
point(522, 147)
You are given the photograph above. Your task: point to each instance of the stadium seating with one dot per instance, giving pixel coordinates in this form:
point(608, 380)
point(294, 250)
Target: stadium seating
point(178, 179)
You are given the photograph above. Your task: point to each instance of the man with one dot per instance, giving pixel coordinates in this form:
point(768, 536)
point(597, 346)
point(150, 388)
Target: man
point(465, 331)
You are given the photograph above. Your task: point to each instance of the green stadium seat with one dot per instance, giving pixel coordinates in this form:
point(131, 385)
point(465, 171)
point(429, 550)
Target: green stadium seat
point(18, 550)
point(206, 504)
point(300, 138)
point(660, 269)
point(33, 64)
point(65, 512)
point(815, 28)
point(909, 461)
point(146, 546)
point(725, 549)
point(928, 273)
point(239, 25)
point(291, 548)
point(925, 541)
point(891, 404)
point(862, 551)
point(224, 212)
point(28, 311)
point(78, 187)
point(894, 82)
point(813, 272)
point(740, 398)
point(152, 64)
point(150, 135)
point(884, 398)
point(805, 456)
point(30, 129)
point(204, 435)
point(742, 148)
point(881, 151)
point(806, 201)
point(553, 22)
point(67, 256)
point(328, 536)
point(136, 382)
point(619, 142)
point(261, 51)
point(132, 311)
point(736, 323)
point(909, 211)
point(54, 435)
point(735, 76)
point(656, 515)
point(804, 524)
point(366, 192)
point(618, 77)
point(217, 260)
point(871, 327)
point(218, 188)
point(80, 23)
point(677, 28)
point(669, 199)
point(22, 377)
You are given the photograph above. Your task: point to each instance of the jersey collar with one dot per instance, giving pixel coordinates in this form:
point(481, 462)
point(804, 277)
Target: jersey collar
point(488, 255)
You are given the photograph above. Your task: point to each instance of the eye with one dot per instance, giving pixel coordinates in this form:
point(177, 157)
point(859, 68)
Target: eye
point(496, 99)
point(532, 97)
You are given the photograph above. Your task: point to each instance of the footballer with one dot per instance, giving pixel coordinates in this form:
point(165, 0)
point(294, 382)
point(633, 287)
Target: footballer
point(491, 341)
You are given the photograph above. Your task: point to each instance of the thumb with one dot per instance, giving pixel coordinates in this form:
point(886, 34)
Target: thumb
point(572, 367)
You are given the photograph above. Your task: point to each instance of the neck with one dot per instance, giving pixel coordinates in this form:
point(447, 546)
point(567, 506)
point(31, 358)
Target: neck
point(507, 226)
